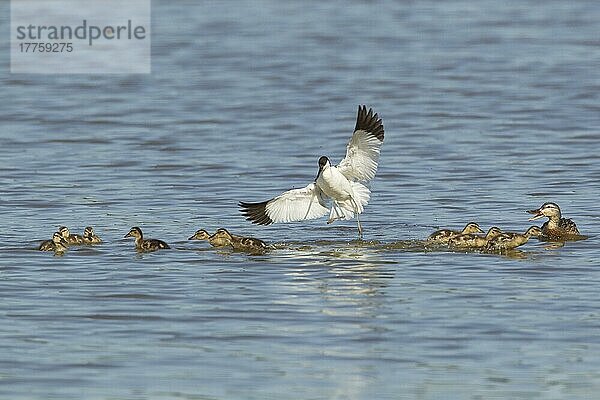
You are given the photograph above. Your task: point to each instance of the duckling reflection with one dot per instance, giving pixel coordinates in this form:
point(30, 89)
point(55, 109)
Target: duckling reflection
point(70, 238)
point(472, 240)
point(443, 236)
point(57, 244)
point(142, 244)
point(556, 227)
point(89, 237)
point(511, 240)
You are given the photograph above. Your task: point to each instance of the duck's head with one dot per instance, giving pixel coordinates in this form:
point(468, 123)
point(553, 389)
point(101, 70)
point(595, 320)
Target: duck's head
point(472, 227)
point(493, 232)
point(64, 231)
point(58, 238)
point(222, 233)
point(534, 231)
point(88, 231)
point(550, 210)
point(134, 232)
point(201, 234)
point(323, 163)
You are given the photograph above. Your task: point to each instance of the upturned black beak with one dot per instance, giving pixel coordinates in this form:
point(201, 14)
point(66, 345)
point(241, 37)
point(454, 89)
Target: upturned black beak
point(128, 235)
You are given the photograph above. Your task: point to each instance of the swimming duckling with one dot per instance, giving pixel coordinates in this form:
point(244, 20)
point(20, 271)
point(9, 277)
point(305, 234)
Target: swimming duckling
point(142, 244)
point(222, 237)
point(58, 244)
point(70, 238)
point(472, 240)
point(201, 234)
point(443, 235)
point(510, 240)
point(556, 226)
point(89, 237)
point(215, 241)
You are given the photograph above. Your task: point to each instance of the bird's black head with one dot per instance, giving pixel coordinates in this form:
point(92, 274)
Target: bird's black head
point(322, 161)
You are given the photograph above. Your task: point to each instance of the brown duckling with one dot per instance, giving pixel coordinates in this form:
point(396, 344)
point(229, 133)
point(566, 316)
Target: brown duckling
point(473, 240)
point(222, 237)
point(142, 244)
point(215, 241)
point(201, 234)
point(70, 238)
point(89, 237)
point(556, 226)
point(511, 240)
point(58, 244)
point(442, 236)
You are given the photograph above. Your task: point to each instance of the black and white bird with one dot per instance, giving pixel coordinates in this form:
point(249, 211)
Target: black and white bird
point(338, 190)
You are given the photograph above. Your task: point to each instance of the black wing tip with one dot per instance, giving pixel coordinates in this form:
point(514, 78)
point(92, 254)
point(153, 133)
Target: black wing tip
point(255, 212)
point(370, 122)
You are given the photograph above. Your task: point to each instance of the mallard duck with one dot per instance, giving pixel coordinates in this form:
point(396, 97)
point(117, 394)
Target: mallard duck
point(142, 244)
point(57, 244)
point(473, 240)
point(443, 235)
point(556, 226)
point(89, 237)
point(70, 238)
point(222, 237)
point(510, 240)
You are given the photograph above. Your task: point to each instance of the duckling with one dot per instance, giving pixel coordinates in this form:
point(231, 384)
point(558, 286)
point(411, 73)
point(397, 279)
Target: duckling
point(70, 238)
point(443, 235)
point(215, 241)
point(142, 244)
point(556, 226)
point(201, 234)
point(89, 237)
point(57, 244)
point(510, 240)
point(222, 237)
point(472, 240)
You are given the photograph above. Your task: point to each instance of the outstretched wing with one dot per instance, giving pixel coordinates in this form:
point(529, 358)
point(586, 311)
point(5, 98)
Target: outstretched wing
point(362, 152)
point(293, 205)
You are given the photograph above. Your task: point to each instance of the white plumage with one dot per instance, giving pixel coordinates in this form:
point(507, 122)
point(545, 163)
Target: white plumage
point(342, 185)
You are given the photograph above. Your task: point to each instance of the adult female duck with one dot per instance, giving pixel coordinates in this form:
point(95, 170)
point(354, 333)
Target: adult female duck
point(556, 226)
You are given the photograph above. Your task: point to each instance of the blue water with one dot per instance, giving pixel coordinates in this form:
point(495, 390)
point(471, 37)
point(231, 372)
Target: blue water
point(490, 109)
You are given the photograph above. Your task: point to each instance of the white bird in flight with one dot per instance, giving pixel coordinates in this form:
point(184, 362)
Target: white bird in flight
point(342, 185)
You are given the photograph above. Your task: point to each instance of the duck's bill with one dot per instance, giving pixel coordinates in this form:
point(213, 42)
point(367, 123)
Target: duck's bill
point(537, 215)
point(128, 235)
point(192, 237)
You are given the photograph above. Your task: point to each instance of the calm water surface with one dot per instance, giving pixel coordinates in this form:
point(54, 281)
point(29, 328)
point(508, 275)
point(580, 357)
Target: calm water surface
point(489, 109)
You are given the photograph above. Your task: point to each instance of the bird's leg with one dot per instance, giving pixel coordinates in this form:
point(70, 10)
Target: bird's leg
point(360, 236)
point(309, 205)
point(337, 214)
